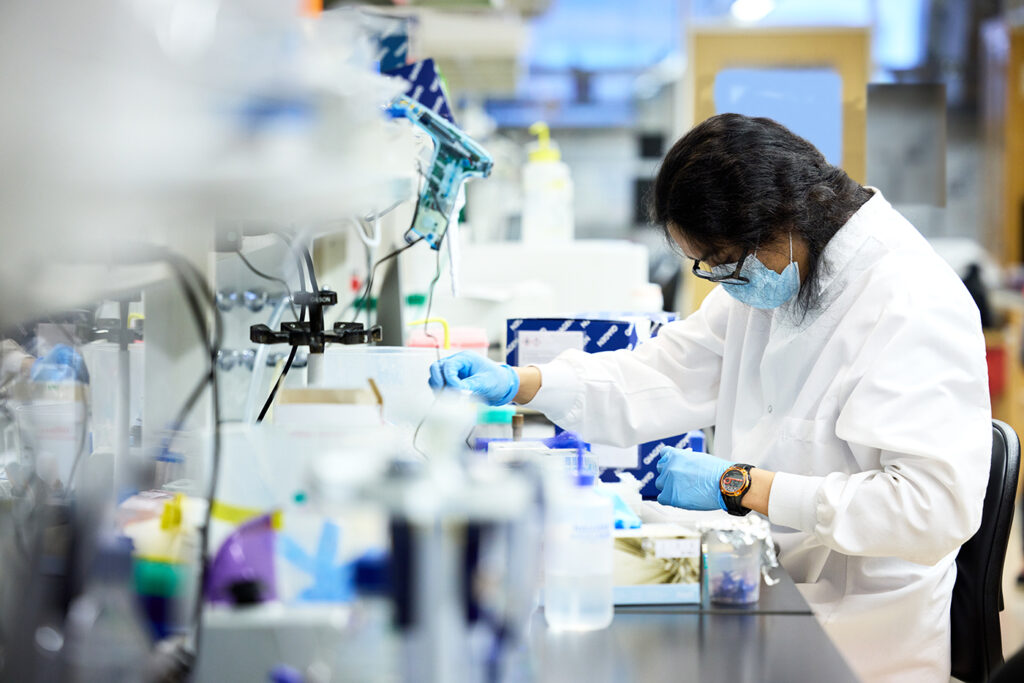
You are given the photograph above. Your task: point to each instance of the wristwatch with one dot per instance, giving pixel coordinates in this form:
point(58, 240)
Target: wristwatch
point(734, 483)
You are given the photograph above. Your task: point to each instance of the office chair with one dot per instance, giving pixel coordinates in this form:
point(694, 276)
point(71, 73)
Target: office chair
point(1012, 671)
point(976, 640)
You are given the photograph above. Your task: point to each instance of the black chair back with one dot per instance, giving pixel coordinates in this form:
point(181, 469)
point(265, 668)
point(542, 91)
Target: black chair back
point(977, 647)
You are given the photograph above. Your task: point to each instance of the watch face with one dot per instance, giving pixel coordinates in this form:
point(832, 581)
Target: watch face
point(733, 481)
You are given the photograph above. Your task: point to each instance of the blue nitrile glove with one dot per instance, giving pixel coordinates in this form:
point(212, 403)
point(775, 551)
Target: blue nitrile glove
point(61, 364)
point(690, 480)
point(496, 384)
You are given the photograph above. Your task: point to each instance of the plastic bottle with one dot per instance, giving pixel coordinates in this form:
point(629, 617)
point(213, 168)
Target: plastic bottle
point(107, 633)
point(578, 559)
point(493, 423)
point(547, 192)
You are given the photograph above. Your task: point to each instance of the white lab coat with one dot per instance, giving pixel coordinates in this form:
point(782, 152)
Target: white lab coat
point(874, 412)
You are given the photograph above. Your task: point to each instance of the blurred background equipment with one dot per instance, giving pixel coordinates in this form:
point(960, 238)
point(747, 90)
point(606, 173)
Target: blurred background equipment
point(220, 458)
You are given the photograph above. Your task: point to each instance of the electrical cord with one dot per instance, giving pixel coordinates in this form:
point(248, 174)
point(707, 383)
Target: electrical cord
point(301, 318)
point(259, 273)
point(437, 347)
point(280, 378)
point(371, 270)
point(183, 270)
point(309, 270)
point(377, 264)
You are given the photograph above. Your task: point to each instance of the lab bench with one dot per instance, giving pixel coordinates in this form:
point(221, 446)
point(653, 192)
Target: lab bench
point(777, 639)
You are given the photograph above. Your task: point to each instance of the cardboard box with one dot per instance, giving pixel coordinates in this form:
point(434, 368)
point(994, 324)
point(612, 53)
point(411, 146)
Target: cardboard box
point(657, 564)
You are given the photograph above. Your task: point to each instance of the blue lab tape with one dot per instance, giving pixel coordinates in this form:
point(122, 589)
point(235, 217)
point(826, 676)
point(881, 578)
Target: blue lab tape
point(425, 86)
point(394, 49)
point(392, 43)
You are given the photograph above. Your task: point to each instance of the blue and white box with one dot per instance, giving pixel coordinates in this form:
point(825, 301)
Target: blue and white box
point(532, 341)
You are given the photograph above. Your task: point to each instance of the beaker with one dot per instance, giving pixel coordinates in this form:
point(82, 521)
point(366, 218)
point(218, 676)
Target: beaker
point(732, 567)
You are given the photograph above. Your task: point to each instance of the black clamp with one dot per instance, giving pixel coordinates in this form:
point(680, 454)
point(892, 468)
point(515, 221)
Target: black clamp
point(113, 330)
point(312, 333)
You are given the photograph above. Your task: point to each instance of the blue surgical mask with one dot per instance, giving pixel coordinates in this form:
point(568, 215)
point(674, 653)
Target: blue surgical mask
point(766, 288)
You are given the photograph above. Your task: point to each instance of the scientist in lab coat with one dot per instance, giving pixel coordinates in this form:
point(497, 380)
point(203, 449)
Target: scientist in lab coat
point(842, 364)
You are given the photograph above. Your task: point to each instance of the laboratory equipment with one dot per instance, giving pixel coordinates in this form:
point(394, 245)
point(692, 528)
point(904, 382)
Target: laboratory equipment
point(456, 158)
point(451, 340)
point(463, 569)
point(243, 571)
point(547, 192)
point(578, 566)
point(399, 373)
point(312, 333)
point(538, 340)
point(61, 364)
point(52, 439)
point(737, 551)
point(106, 631)
point(493, 423)
point(102, 359)
point(165, 544)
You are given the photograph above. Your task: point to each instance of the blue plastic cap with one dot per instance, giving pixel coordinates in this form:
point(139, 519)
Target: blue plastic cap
point(696, 441)
point(286, 674)
point(372, 573)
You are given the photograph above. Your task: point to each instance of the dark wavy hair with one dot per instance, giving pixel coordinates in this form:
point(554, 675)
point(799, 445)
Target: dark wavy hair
point(739, 182)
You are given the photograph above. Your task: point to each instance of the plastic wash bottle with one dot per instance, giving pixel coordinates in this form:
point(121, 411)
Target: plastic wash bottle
point(578, 558)
point(547, 192)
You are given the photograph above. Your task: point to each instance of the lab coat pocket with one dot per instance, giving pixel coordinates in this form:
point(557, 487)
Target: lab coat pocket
point(818, 431)
point(808, 447)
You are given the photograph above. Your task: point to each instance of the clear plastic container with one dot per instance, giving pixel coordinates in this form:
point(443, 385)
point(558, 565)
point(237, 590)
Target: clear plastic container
point(493, 423)
point(733, 572)
point(102, 359)
point(737, 553)
point(401, 374)
point(578, 560)
point(51, 437)
point(106, 629)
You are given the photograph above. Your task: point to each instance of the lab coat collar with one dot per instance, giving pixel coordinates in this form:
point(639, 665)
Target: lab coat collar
point(849, 239)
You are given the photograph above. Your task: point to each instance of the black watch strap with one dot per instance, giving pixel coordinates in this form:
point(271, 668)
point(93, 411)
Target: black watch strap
point(734, 504)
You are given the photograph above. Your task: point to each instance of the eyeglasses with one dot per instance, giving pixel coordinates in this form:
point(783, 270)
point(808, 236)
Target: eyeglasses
point(733, 278)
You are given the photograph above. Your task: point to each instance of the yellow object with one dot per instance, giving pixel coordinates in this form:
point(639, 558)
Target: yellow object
point(543, 151)
point(134, 316)
point(171, 517)
point(167, 538)
point(444, 326)
point(238, 514)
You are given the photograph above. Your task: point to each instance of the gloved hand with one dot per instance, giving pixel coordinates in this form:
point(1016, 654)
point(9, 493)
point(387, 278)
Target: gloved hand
point(61, 364)
point(496, 384)
point(690, 480)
